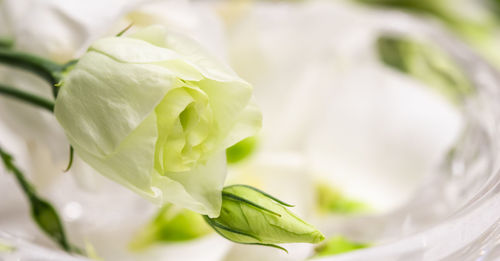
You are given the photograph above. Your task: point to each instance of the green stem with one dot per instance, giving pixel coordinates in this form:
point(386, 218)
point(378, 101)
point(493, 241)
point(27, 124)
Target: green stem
point(44, 214)
point(42, 67)
point(9, 164)
point(27, 97)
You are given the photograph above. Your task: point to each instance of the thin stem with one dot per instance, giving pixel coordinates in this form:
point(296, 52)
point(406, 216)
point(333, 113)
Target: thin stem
point(44, 214)
point(9, 164)
point(124, 30)
point(261, 192)
point(48, 70)
point(26, 97)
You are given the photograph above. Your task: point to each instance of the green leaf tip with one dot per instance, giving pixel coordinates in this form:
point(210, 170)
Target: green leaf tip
point(250, 216)
point(70, 160)
point(124, 30)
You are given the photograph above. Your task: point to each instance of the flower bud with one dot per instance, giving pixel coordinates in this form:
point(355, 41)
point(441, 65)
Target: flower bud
point(250, 216)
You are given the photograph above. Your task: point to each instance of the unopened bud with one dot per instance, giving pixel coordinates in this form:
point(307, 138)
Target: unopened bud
point(251, 216)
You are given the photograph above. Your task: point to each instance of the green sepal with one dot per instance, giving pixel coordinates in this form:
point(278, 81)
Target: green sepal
point(263, 193)
point(70, 160)
point(240, 199)
point(215, 225)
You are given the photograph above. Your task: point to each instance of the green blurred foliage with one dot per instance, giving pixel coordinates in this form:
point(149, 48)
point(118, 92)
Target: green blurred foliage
point(241, 150)
point(331, 200)
point(171, 224)
point(337, 245)
point(478, 29)
point(5, 248)
point(425, 62)
point(6, 42)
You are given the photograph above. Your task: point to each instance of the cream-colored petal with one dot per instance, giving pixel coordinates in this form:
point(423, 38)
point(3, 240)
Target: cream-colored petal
point(207, 64)
point(192, 53)
point(139, 51)
point(171, 138)
point(198, 189)
point(132, 50)
point(248, 124)
point(132, 164)
point(228, 101)
point(102, 101)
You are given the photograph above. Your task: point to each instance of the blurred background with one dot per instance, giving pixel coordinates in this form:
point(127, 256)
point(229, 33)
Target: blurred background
point(380, 124)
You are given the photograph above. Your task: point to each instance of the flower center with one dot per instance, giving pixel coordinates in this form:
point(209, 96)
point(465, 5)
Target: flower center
point(184, 120)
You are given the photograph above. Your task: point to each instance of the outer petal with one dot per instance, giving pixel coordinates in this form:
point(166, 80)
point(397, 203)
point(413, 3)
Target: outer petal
point(198, 189)
point(138, 51)
point(248, 124)
point(132, 164)
point(110, 98)
point(131, 50)
point(229, 95)
point(208, 65)
point(155, 44)
point(228, 101)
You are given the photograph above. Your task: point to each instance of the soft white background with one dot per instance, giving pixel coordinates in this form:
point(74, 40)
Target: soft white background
point(332, 114)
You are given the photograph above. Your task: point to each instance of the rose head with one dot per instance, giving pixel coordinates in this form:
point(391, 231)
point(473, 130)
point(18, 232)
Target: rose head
point(154, 112)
